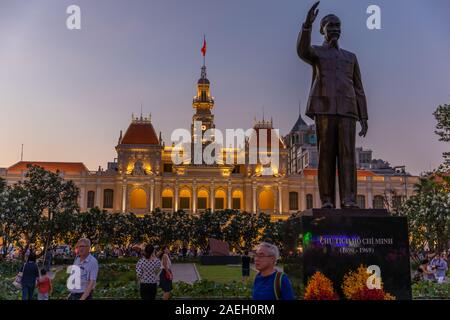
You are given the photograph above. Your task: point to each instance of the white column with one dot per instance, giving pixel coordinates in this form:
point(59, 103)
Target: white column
point(124, 196)
point(152, 195)
point(302, 205)
point(176, 196)
point(194, 197)
point(98, 195)
point(212, 195)
point(254, 198)
point(280, 199)
point(229, 195)
point(389, 188)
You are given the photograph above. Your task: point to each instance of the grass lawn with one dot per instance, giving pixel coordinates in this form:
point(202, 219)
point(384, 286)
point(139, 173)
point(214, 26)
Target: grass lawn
point(222, 274)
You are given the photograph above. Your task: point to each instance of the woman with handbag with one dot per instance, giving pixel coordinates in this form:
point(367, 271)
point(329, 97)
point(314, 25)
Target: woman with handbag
point(166, 276)
point(147, 270)
point(30, 272)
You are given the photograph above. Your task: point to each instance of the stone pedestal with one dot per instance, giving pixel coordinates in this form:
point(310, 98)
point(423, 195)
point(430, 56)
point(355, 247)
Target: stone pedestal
point(338, 240)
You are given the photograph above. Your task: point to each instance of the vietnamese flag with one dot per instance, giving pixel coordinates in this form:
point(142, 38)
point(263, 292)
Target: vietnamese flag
point(204, 46)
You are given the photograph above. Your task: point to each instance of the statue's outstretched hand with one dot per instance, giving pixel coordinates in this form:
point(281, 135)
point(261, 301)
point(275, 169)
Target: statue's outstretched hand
point(312, 14)
point(364, 128)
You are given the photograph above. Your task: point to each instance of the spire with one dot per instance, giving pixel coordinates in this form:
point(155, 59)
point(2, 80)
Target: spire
point(120, 137)
point(300, 122)
point(203, 73)
point(203, 99)
point(203, 79)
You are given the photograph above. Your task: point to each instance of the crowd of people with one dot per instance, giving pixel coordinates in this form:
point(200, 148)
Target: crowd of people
point(433, 267)
point(153, 269)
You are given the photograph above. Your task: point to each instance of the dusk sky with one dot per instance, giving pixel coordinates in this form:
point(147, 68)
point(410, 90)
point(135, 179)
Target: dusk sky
point(66, 94)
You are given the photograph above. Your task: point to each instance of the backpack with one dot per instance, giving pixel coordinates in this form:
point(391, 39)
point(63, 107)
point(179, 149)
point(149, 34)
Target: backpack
point(277, 284)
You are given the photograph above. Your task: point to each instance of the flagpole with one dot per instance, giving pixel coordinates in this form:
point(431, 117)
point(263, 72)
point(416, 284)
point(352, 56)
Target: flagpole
point(204, 56)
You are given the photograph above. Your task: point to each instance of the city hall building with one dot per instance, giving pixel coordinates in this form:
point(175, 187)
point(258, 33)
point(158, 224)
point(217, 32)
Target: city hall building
point(143, 177)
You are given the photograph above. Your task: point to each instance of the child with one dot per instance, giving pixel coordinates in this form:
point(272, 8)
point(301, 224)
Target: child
point(44, 285)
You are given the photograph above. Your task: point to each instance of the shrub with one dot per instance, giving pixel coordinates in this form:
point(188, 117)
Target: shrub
point(430, 290)
point(320, 288)
point(355, 287)
point(7, 290)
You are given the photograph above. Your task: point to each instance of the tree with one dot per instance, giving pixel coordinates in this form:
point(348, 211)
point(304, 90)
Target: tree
point(442, 116)
point(245, 230)
point(241, 232)
point(122, 229)
point(94, 225)
point(274, 233)
point(428, 212)
point(14, 215)
point(52, 196)
point(35, 207)
point(210, 224)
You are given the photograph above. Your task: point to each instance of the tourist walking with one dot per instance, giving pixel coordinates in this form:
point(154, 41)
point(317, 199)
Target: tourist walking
point(166, 275)
point(147, 270)
point(88, 267)
point(245, 267)
point(270, 284)
point(30, 272)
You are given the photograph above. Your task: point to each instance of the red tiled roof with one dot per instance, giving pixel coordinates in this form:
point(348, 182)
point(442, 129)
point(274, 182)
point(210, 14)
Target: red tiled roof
point(140, 133)
point(66, 167)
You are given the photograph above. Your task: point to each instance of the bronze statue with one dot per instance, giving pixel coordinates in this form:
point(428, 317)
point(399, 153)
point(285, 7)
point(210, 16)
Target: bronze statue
point(336, 101)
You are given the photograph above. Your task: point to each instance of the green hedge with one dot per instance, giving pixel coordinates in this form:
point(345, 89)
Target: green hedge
point(430, 290)
point(9, 268)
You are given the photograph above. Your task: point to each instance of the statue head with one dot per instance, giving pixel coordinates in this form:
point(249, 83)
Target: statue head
point(330, 27)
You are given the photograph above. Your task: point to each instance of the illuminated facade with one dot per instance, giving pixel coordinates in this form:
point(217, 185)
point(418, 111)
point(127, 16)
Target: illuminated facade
point(144, 177)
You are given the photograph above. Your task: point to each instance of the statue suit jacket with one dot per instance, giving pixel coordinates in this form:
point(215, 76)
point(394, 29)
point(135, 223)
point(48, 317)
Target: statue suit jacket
point(336, 87)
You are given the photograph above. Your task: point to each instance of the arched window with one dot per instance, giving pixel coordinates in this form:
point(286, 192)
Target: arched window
point(167, 199)
point(361, 201)
point(378, 202)
point(219, 200)
point(293, 200)
point(185, 199)
point(309, 201)
point(108, 198)
point(138, 199)
point(202, 199)
point(237, 200)
point(90, 199)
